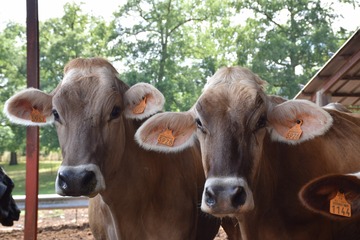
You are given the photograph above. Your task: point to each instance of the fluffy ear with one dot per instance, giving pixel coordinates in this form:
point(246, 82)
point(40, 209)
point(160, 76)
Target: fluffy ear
point(143, 100)
point(316, 195)
point(286, 117)
point(167, 132)
point(30, 107)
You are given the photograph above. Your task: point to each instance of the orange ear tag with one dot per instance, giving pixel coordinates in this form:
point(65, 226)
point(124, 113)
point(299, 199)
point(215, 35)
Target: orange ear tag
point(166, 138)
point(140, 108)
point(36, 116)
point(339, 206)
point(295, 132)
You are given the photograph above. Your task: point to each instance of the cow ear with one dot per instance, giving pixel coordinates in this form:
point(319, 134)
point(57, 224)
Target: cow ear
point(296, 121)
point(317, 194)
point(167, 132)
point(30, 107)
point(143, 100)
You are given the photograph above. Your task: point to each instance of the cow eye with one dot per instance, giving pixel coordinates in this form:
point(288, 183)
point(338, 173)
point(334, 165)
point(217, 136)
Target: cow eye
point(56, 115)
point(115, 113)
point(199, 125)
point(261, 122)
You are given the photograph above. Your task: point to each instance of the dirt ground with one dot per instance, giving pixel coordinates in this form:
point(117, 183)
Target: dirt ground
point(69, 224)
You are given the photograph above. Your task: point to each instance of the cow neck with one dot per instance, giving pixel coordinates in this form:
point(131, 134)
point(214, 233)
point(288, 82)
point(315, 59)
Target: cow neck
point(147, 183)
point(284, 169)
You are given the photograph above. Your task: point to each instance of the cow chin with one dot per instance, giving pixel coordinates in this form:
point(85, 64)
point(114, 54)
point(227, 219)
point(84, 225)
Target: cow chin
point(82, 180)
point(227, 196)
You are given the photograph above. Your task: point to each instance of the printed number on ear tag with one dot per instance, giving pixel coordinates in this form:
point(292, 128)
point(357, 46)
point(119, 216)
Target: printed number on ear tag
point(140, 108)
point(339, 206)
point(295, 132)
point(36, 116)
point(166, 138)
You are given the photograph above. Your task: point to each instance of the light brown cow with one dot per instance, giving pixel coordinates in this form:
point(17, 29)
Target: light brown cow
point(336, 196)
point(258, 151)
point(137, 194)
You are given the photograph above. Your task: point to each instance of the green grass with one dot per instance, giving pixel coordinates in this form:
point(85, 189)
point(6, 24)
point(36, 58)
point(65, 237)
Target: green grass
point(47, 176)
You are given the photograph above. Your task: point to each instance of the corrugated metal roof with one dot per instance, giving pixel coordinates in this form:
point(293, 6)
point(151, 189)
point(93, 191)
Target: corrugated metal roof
point(339, 78)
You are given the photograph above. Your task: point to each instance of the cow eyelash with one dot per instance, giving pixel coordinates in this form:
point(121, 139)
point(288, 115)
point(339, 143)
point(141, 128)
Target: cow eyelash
point(115, 112)
point(199, 125)
point(261, 122)
point(56, 115)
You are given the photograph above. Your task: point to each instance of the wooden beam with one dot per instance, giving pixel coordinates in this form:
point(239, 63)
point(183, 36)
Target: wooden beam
point(337, 94)
point(341, 72)
point(32, 133)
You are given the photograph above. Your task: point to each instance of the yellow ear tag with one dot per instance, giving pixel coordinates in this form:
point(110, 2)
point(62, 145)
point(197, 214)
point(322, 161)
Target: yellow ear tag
point(295, 132)
point(339, 205)
point(36, 116)
point(140, 108)
point(166, 138)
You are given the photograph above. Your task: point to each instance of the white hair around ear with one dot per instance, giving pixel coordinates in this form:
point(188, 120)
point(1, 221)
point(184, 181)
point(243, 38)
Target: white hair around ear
point(291, 115)
point(143, 100)
point(30, 107)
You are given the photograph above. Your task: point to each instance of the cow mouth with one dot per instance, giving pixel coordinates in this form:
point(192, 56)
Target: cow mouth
point(227, 196)
point(82, 180)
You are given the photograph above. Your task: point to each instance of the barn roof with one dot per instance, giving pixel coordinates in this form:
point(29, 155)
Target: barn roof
point(339, 78)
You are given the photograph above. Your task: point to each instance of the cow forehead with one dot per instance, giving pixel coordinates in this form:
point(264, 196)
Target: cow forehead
point(232, 100)
point(93, 88)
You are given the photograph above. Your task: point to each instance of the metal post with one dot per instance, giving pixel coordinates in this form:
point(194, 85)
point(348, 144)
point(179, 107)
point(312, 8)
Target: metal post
point(32, 133)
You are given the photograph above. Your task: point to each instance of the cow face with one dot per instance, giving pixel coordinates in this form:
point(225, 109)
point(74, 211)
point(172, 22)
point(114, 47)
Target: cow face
point(318, 194)
point(231, 120)
point(90, 108)
point(9, 212)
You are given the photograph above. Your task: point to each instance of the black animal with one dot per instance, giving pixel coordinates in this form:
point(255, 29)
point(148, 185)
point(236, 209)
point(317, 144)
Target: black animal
point(9, 212)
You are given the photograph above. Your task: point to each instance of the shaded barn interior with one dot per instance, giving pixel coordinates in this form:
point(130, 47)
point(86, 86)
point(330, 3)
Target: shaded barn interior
point(339, 79)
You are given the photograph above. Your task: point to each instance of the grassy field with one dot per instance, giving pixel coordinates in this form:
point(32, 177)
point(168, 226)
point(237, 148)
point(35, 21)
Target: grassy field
point(47, 176)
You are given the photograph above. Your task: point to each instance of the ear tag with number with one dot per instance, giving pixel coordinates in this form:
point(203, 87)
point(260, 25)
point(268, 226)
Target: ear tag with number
point(295, 132)
point(339, 206)
point(36, 116)
point(140, 108)
point(166, 138)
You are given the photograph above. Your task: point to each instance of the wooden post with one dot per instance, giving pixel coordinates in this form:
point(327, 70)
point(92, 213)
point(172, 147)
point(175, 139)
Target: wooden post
point(32, 133)
point(322, 99)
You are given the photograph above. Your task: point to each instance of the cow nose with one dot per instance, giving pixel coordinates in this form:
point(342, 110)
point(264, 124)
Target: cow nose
point(218, 195)
point(238, 197)
point(76, 183)
point(63, 179)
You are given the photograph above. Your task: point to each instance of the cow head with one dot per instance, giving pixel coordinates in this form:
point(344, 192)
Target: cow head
point(231, 119)
point(318, 194)
point(90, 108)
point(9, 212)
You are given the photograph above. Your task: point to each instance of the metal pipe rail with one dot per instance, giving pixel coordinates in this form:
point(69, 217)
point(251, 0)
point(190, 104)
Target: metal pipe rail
point(54, 201)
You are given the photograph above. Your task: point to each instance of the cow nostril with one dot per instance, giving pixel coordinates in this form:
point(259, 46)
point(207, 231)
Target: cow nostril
point(238, 196)
point(62, 181)
point(210, 197)
point(89, 178)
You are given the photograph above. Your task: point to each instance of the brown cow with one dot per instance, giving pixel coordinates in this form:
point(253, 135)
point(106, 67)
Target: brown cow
point(258, 151)
point(139, 194)
point(317, 195)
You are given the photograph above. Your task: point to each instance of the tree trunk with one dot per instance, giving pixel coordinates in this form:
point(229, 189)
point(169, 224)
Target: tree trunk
point(13, 159)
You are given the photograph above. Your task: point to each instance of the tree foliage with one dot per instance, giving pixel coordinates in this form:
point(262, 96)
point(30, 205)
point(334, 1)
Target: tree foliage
point(12, 77)
point(176, 45)
point(286, 41)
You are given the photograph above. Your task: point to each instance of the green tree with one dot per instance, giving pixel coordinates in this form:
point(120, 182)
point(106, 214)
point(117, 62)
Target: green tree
point(286, 41)
point(161, 46)
point(12, 78)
